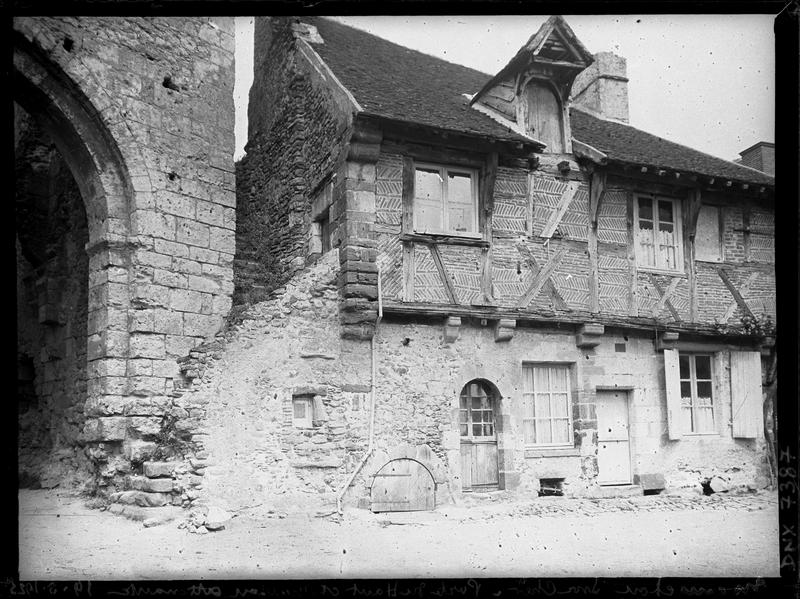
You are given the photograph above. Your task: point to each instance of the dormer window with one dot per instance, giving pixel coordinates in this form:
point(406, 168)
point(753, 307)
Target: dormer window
point(542, 115)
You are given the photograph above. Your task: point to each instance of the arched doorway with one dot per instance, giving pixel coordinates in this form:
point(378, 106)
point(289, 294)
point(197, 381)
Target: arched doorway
point(478, 403)
point(79, 292)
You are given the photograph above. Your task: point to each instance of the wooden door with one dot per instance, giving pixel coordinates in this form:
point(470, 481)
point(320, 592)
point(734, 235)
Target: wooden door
point(403, 485)
point(478, 439)
point(613, 439)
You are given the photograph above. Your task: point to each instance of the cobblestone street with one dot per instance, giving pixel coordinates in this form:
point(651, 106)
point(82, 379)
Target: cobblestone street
point(719, 535)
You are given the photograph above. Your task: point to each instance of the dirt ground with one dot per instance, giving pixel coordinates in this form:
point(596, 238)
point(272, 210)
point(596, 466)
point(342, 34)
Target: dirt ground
point(720, 535)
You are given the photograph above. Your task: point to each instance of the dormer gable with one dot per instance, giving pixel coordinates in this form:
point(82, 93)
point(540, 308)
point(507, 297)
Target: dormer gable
point(531, 93)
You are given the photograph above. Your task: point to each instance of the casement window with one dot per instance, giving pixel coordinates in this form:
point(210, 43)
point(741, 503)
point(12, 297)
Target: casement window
point(476, 412)
point(694, 393)
point(547, 418)
point(708, 243)
point(303, 411)
point(658, 233)
point(697, 402)
point(445, 200)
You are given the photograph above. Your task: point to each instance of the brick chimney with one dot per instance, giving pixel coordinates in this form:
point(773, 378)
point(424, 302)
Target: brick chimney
point(602, 88)
point(760, 156)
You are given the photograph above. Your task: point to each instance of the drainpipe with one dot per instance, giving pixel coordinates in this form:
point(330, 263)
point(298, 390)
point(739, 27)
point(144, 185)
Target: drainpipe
point(370, 448)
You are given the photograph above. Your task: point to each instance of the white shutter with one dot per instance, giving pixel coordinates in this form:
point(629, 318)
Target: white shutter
point(673, 389)
point(746, 398)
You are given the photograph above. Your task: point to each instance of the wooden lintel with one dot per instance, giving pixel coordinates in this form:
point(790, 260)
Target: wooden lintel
point(645, 325)
point(734, 292)
point(444, 239)
point(446, 280)
point(541, 277)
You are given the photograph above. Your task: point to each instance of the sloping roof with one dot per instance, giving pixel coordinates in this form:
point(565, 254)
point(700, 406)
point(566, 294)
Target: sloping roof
point(623, 143)
point(394, 82)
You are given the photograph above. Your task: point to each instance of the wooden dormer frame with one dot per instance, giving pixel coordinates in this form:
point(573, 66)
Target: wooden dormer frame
point(562, 95)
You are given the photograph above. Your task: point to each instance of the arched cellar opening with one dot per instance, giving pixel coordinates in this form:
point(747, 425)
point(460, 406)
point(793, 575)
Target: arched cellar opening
point(52, 299)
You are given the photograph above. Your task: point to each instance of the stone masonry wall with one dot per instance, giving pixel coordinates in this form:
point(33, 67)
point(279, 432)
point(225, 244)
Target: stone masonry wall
point(255, 459)
point(155, 110)
point(297, 132)
point(287, 345)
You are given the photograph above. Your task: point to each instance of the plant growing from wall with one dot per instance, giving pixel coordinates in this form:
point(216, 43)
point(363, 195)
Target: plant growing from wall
point(758, 327)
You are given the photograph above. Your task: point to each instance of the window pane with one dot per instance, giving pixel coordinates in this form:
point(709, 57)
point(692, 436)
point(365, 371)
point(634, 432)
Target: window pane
point(460, 203)
point(665, 211)
point(645, 209)
point(464, 430)
point(464, 402)
point(683, 362)
point(488, 430)
point(428, 203)
point(686, 419)
point(542, 408)
point(462, 416)
point(476, 430)
point(705, 420)
point(560, 405)
point(703, 366)
point(704, 390)
point(686, 390)
point(527, 379)
point(541, 383)
point(543, 431)
point(299, 409)
point(561, 431)
point(529, 430)
point(476, 403)
point(558, 379)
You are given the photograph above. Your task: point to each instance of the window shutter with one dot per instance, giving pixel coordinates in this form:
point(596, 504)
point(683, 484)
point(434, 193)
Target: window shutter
point(673, 388)
point(746, 399)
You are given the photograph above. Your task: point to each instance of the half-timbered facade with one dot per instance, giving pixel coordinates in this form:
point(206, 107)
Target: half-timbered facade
point(552, 300)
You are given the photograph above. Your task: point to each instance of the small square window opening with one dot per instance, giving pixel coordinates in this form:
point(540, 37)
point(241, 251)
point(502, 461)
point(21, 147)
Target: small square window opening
point(302, 411)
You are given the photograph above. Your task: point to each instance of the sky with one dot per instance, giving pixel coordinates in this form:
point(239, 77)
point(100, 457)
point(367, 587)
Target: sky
point(705, 81)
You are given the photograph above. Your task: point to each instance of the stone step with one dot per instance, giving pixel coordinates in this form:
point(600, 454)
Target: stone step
point(616, 491)
point(150, 485)
point(149, 516)
point(141, 498)
point(159, 469)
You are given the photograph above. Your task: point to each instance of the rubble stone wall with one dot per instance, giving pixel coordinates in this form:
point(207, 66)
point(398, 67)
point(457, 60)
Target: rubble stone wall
point(298, 126)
